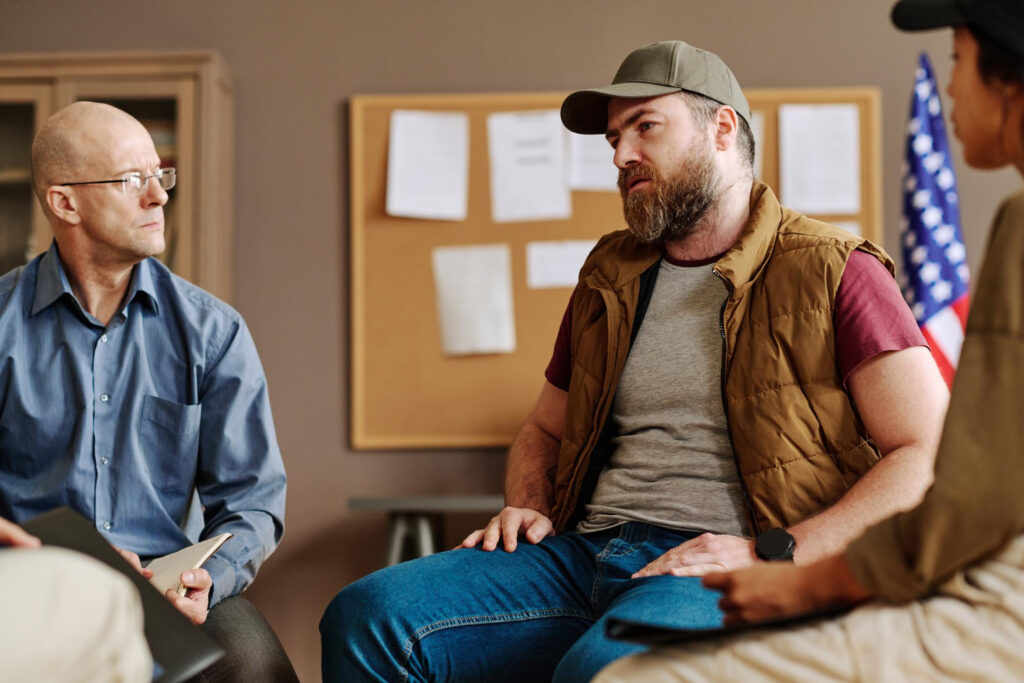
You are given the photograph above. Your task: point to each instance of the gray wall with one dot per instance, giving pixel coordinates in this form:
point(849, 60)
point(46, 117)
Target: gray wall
point(296, 66)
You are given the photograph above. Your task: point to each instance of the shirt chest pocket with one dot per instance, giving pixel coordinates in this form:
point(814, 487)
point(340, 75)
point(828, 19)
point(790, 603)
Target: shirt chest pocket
point(170, 443)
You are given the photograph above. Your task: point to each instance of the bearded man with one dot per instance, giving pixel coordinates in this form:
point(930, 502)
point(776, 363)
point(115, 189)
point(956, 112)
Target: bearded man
point(732, 383)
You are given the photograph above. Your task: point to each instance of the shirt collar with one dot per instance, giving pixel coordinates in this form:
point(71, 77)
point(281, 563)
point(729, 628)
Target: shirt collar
point(52, 282)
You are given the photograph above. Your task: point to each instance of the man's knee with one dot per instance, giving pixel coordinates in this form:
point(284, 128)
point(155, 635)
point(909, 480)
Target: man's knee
point(361, 606)
point(252, 650)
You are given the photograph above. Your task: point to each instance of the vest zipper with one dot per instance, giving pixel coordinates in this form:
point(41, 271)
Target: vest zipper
point(725, 406)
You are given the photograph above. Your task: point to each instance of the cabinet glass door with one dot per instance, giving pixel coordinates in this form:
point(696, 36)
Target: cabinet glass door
point(23, 231)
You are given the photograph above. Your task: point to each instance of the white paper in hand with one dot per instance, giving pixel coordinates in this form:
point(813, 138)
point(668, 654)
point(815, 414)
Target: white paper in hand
point(167, 570)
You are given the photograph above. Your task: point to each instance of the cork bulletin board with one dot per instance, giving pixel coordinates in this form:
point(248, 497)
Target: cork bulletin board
point(405, 393)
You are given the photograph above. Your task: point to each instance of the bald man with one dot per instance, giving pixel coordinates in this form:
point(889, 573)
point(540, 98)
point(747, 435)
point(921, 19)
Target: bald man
point(132, 395)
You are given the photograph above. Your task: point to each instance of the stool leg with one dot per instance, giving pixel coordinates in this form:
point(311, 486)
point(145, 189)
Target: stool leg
point(396, 539)
point(425, 535)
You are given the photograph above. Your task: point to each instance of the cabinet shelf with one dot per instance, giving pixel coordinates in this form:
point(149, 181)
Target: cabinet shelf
point(15, 176)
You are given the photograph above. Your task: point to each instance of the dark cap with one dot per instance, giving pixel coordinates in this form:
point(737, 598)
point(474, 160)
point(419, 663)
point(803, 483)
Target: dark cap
point(1000, 20)
point(656, 69)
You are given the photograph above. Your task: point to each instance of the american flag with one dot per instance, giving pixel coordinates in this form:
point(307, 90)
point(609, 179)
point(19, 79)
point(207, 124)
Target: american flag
point(936, 277)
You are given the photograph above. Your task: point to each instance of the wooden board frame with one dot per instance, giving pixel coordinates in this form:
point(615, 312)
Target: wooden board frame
point(405, 394)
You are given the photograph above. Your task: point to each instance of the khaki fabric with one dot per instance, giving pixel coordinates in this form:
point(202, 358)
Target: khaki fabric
point(973, 630)
point(66, 617)
point(976, 504)
point(798, 440)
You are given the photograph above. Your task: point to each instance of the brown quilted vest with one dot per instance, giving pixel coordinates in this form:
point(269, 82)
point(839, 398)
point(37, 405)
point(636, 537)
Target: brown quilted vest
point(798, 440)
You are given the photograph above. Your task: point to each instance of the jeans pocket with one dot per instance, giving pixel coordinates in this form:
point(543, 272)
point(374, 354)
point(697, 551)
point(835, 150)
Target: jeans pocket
point(170, 443)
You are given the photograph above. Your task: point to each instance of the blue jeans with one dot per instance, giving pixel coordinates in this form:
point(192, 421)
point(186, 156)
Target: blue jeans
point(535, 614)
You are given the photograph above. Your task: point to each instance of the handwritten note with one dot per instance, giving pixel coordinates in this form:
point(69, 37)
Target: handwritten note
point(529, 180)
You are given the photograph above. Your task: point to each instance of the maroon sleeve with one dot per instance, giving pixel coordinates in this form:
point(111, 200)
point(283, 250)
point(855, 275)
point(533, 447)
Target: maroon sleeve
point(559, 368)
point(871, 315)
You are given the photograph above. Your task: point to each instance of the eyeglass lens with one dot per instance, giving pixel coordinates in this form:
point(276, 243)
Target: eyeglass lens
point(137, 182)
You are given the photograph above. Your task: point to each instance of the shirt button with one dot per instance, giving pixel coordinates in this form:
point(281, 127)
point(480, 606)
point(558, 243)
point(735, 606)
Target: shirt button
point(104, 398)
point(104, 461)
point(103, 339)
point(106, 526)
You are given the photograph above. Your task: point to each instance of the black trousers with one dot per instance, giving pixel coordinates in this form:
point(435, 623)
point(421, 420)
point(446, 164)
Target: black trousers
point(253, 652)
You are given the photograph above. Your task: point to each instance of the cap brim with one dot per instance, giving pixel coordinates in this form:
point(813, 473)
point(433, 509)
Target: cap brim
point(921, 15)
point(586, 111)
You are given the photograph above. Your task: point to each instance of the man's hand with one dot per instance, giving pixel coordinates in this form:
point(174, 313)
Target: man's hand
point(701, 555)
point(196, 603)
point(773, 590)
point(507, 525)
point(13, 535)
point(133, 560)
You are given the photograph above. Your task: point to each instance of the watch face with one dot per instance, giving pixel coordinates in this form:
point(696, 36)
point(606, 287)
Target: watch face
point(775, 544)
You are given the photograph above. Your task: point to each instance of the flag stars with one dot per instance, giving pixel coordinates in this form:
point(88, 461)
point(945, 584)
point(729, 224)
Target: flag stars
point(964, 273)
point(923, 89)
point(918, 310)
point(922, 144)
point(941, 291)
point(951, 198)
point(933, 162)
point(956, 252)
point(931, 216)
point(910, 184)
point(909, 238)
point(930, 272)
point(945, 180)
point(919, 255)
point(934, 108)
point(922, 198)
point(944, 234)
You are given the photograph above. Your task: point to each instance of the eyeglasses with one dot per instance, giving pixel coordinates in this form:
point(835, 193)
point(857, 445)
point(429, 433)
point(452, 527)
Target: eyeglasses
point(137, 183)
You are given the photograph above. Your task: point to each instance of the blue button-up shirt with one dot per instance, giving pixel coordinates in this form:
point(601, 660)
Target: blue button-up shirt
point(156, 426)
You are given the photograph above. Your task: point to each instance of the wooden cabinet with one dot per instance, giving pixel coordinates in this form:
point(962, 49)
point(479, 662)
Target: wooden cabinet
point(185, 100)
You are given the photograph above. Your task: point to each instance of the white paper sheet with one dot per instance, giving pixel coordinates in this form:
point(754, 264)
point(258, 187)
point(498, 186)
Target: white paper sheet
point(819, 158)
point(757, 131)
point(591, 166)
point(474, 299)
point(529, 180)
point(428, 165)
point(555, 264)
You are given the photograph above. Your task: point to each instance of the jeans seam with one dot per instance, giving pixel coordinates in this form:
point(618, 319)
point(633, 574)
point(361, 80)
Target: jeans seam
point(607, 552)
point(507, 617)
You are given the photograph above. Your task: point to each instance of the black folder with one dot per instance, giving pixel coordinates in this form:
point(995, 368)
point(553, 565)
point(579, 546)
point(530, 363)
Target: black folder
point(180, 649)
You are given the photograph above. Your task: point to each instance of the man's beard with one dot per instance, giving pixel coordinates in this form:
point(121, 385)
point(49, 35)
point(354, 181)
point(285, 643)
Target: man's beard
point(670, 207)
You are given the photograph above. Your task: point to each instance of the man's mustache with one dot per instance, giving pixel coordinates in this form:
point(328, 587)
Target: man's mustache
point(630, 173)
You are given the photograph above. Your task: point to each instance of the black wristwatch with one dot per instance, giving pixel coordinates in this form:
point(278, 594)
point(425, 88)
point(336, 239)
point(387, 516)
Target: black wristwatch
point(775, 544)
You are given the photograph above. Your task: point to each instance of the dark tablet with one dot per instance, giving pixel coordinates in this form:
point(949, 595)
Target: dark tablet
point(650, 634)
point(180, 649)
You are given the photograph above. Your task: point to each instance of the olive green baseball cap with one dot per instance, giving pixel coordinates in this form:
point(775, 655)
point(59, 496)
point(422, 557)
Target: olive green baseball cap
point(656, 69)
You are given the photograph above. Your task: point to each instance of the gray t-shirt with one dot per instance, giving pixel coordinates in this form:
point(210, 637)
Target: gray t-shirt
point(672, 463)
